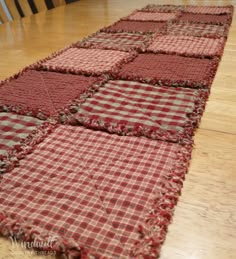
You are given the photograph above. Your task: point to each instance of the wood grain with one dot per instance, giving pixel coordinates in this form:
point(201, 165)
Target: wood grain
point(204, 225)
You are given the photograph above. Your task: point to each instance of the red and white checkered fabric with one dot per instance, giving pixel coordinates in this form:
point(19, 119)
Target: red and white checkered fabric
point(43, 94)
point(168, 70)
point(148, 16)
point(118, 41)
point(14, 128)
point(136, 27)
point(92, 190)
point(163, 8)
point(187, 45)
point(88, 61)
point(132, 108)
point(205, 18)
point(198, 30)
point(209, 9)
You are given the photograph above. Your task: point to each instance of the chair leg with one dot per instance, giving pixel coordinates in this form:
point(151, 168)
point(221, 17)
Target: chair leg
point(24, 4)
point(3, 16)
point(58, 2)
point(40, 5)
point(12, 9)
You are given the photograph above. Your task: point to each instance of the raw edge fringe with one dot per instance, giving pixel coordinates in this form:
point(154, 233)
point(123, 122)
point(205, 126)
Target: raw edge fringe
point(149, 8)
point(218, 54)
point(20, 231)
point(18, 109)
point(165, 199)
point(181, 8)
point(230, 8)
point(109, 29)
point(31, 66)
point(153, 232)
point(151, 132)
point(127, 18)
point(41, 66)
point(38, 113)
point(27, 111)
point(66, 114)
point(216, 35)
point(194, 118)
point(228, 21)
point(204, 84)
point(90, 45)
point(26, 146)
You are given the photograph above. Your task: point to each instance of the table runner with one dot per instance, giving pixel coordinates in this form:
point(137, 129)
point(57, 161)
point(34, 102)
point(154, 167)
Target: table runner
point(108, 191)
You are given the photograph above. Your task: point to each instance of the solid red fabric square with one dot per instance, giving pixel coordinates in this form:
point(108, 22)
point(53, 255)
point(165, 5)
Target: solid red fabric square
point(136, 26)
point(205, 18)
point(43, 94)
point(169, 70)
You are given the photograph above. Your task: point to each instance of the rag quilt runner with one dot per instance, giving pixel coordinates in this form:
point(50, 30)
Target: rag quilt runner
point(96, 139)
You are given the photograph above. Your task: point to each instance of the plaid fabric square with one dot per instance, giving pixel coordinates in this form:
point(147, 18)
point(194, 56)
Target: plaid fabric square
point(18, 135)
point(198, 30)
point(148, 16)
point(209, 9)
point(84, 61)
point(43, 94)
point(14, 128)
point(205, 18)
point(131, 108)
point(118, 41)
point(169, 70)
point(94, 194)
point(163, 8)
point(136, 27)
point(187, 46)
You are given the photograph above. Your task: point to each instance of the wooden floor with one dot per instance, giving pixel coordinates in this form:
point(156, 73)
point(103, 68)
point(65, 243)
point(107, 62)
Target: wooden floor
point(204, 225)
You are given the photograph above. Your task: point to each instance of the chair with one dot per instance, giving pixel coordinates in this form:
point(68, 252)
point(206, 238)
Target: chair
point(3, 16)
point(25, 7)
point(40, 5)
point(58, 2)
point(21, 8)
point(12, 9)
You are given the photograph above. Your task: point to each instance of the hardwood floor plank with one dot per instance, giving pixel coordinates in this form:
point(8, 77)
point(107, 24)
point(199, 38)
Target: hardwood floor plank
point(205, 218)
